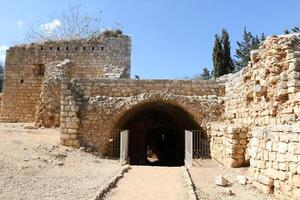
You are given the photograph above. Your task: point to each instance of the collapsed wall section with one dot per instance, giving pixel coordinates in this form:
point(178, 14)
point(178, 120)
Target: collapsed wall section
point(101, 57)
point(267, 91)
point(48, 108)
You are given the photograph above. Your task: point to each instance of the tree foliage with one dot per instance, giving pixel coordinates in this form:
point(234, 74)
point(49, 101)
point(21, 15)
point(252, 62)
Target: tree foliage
point(217, 56)
point(296, 29)
point(222, 60)
point(227, 65)
point(70, 24)
point(249, 42)
point(205, 74)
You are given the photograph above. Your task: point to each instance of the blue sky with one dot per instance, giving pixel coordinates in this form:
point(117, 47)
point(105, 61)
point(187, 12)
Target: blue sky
point(170, 38)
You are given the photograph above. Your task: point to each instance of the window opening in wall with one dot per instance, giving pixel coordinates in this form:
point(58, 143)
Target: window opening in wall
point(93, 48)
point(50, 48)
point(67, 48)
point(41, 48)
point(102, 48)
point(83, 48)
point(58, 48)
point(22, 80)
point(76, 48)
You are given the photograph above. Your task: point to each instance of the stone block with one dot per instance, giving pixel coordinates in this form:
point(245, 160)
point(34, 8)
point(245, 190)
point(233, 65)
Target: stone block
point(282, 175)
point(72, 125)
point(272, 173)
point(282, 147)
point(295, 66)
point(241, 180)
point(280, 157)
point(221, 181)
point(269, 145)
point(264, 188)
point(296, 181)
point(266, 180)
point(293, 89)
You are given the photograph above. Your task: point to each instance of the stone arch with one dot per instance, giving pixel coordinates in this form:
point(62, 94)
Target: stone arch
point(101, 115)
point(139, 102)
point(156, 131)
point(167, 107)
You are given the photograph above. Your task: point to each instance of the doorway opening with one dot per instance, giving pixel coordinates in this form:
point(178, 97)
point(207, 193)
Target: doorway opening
point(157, 134)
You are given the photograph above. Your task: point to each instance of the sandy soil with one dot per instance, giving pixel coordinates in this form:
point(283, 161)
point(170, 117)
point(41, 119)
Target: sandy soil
point(34, 166)
point(148, 183)
point(203, 178)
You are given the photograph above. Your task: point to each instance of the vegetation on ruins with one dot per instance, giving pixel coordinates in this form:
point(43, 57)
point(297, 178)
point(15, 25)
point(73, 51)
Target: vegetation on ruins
point(205, 74)
point(222, 61)
point(296, 29)
point(70, 24)
point(249, 42)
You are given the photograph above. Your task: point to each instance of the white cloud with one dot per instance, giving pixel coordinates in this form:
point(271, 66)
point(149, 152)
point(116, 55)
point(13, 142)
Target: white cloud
point(51, 26)
point(2, 53)
point(20, 24)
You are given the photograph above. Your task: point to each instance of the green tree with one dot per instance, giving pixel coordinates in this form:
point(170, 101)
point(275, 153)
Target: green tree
point(217, 56)
point(245, 46)
point(296, 29)
point(227, 65)
point(205, 74)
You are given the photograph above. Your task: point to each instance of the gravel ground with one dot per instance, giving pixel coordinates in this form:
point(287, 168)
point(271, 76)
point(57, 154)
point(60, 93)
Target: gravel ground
point(34, 166)
point(203, 178)
point(149, 183)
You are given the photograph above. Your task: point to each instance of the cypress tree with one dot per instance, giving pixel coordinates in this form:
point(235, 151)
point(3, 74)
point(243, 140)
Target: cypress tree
point(217, 56)
point(227, 65)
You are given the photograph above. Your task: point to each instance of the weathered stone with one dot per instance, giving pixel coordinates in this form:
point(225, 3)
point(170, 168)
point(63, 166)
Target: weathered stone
point(221, 181)
point(241, 180)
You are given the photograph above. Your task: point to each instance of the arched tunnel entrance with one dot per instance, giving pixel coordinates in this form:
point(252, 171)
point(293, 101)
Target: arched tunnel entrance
point(157, 133)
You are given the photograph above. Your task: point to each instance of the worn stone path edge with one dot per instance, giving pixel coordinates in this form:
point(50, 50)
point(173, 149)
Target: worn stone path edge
point(189, 183)
point(111, 184)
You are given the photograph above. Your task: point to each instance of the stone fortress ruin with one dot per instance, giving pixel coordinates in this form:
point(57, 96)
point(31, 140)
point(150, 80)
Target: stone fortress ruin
point(251, 118)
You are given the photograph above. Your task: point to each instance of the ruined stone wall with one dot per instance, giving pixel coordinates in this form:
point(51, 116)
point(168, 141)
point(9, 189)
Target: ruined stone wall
point(229, 144)
point(48, 108)
point(275, 156)
point(264, 100)
point(267, 91)
point(101, 57)
point(92, 109)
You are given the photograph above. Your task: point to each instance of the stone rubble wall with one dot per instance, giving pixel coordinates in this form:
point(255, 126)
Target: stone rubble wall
point(91, 109)
point(101, 57)
point(264, 100)
point(48, 109)
point(275, 156)
point(228, 144)
point(267, 91)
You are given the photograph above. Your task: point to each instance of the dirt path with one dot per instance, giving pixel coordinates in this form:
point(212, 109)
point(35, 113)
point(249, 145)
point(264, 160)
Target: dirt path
point(144, 182)
point(34, 166)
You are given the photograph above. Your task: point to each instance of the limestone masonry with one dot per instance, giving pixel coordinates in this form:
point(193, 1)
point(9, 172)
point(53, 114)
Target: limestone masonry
point(251, 118)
